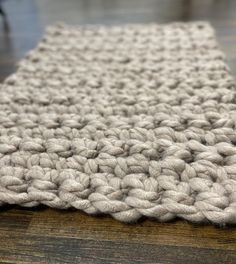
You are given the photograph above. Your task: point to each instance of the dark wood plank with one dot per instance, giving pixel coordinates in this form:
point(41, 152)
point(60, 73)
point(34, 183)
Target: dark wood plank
point(39, 248)
point(44, 235)
point(76, 224)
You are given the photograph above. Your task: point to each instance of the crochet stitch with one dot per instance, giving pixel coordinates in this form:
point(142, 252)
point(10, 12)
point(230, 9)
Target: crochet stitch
point(131, 121)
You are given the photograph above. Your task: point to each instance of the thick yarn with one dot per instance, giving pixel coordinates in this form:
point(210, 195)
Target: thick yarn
point(131, 121)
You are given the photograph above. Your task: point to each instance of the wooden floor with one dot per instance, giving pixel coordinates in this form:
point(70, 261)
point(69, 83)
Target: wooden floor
point(43, 235)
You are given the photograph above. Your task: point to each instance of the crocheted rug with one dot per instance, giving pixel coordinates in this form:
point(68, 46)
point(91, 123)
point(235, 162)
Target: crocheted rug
point(131, 121)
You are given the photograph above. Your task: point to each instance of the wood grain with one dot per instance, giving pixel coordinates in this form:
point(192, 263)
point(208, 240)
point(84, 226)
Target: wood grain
point(44, 235)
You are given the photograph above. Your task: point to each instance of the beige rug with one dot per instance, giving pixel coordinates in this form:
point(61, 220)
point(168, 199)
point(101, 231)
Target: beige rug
point(131, 121)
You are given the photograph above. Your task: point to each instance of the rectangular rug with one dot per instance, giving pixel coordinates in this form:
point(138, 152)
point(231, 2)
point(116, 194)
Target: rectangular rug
point(130, 121)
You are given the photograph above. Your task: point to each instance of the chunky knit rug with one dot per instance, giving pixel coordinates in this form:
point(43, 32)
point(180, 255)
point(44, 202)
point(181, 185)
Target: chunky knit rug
point(131, 121)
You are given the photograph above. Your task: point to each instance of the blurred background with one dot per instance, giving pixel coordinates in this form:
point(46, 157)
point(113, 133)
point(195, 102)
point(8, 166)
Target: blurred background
point(24, 21)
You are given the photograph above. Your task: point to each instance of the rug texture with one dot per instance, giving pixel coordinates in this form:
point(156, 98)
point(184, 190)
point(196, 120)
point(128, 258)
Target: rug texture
point(131, 121)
